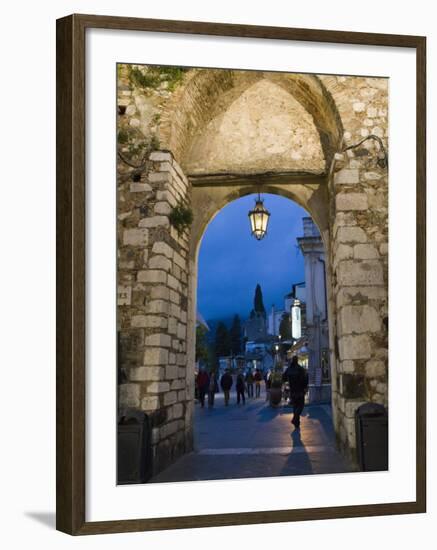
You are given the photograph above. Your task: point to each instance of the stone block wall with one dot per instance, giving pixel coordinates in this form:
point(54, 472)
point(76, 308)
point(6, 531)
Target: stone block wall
point(359, 253)
point(153, 305)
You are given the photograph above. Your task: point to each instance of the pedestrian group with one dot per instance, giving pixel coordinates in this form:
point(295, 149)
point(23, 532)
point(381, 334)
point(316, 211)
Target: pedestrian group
point(207, 384)
point(295, 376)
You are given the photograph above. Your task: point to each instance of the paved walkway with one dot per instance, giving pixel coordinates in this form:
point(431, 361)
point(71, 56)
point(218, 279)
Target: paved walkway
point(256, 440)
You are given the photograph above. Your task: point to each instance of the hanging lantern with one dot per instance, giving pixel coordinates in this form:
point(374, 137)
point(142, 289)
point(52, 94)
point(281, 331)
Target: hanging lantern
point(259, 218)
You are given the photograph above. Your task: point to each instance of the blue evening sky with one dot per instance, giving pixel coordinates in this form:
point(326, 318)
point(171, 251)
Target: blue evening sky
point(232, 262)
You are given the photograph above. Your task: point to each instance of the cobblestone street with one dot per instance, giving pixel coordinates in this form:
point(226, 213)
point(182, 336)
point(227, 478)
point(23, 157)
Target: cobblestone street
point(256, 440)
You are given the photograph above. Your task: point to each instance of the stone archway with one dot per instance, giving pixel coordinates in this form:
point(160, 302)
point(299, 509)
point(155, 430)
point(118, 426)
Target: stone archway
point(344, 191)
point(207, 92)
point(269, 132)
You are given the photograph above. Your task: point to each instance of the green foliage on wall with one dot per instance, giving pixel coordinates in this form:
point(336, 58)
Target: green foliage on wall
point(123, 137)
point(144, 79)
point(151, 77)
point(181, 217)
point(134, 146)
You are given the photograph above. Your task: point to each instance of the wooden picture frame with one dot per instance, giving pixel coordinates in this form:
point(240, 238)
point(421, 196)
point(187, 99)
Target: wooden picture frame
point(71, 159)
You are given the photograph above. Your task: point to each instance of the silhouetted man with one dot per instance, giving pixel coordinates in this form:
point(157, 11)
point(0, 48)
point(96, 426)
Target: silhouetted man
point(226, 384)
point(258, 379)
point(298, 380)
point(241, 388)
point(249, 383)
point(202, 385)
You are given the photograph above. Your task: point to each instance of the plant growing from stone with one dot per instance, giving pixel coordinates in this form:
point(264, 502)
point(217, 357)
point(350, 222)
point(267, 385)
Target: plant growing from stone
point(153, 77)
point(181, 217)
point(134, 149)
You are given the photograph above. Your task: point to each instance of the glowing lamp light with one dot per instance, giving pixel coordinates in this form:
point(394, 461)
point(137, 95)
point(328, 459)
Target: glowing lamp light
point(259, 219)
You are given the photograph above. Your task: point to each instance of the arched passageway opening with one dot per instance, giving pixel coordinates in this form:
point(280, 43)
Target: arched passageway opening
point(289, 263)
point(239, 335)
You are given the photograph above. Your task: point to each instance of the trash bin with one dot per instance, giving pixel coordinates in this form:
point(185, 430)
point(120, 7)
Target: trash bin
point(371, 425)
point(134, 450)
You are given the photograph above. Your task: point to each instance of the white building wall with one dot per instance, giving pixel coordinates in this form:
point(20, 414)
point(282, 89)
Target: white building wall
point(274, 320)
point(313, 252)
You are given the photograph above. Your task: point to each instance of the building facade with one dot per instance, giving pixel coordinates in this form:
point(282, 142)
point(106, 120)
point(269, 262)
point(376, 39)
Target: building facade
point(316, 312)
point(274, 319)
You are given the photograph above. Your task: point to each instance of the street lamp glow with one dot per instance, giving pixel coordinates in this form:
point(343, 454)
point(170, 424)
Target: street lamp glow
point(259, 219)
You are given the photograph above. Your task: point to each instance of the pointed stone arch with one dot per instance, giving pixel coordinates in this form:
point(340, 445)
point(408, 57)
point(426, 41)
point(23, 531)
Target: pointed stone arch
point(204, 92)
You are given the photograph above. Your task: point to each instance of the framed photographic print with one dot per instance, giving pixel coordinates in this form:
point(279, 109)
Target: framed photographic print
point(241, 274)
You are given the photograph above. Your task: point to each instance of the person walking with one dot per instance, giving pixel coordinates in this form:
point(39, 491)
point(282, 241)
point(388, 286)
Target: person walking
point(258, 379)
point(202, 385)
point(241, 389)
point(196, 387)
point(249, 383)
point(298, 381)
point(268, 383)
point(226, 382)
point(212, 389)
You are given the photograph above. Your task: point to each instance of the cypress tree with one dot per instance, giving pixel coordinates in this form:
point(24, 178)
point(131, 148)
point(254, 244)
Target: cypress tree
point(222, 341)
point(258, 301)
